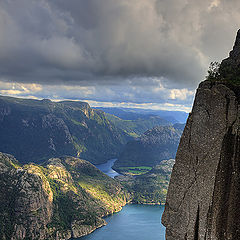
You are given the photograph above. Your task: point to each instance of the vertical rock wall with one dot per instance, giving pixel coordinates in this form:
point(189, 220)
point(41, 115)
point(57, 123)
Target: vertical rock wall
point(203, 201)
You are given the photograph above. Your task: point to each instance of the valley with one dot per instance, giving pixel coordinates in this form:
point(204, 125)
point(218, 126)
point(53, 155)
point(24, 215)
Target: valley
point(72, 196)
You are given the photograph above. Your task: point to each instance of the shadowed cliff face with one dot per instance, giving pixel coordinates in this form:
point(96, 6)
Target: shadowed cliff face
point(225, 212)
point(203, 196)
point(230, 67)
point(203, 201)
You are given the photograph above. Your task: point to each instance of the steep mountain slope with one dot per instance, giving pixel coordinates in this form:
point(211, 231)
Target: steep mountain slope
point(65, 198)
point(203, 201)
point(152, 147)
point(137, 126)
point(34, 130)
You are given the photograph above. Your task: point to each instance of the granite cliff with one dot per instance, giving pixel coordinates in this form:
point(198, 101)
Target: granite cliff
point(203, 201)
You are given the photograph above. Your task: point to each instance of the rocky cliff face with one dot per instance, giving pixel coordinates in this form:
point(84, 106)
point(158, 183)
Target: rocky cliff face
point(203, 201)
point(230, 67)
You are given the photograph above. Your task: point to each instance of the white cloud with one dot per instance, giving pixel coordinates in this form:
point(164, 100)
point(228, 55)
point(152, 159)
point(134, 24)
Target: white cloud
point(180, 94)
point(127, 96)
point(15, 89)
point(153, 106)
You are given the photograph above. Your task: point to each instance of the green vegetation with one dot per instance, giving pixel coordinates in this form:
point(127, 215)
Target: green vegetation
point(134, 170)
point(71, 190)
point(134, 128)
point(213, 71)
point(45, 129)
point(151, 187)
point(151, 148)
point(34, 130)
point(226, 72)
point(78, 180)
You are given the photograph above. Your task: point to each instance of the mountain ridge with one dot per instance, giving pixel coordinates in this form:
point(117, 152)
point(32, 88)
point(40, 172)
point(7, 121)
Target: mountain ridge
point(40, 129)
point(155, 145)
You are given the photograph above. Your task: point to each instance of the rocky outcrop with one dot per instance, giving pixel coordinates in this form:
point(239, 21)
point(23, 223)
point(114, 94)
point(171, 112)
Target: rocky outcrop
point(64, 198)
point(25, 206)
point(203, 201)
point(230, 67)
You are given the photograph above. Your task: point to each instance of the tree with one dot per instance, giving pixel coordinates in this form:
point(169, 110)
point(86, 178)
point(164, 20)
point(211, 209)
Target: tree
point(213, 71)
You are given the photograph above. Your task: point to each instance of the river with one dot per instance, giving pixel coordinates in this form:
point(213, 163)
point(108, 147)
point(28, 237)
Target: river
point(107, 168)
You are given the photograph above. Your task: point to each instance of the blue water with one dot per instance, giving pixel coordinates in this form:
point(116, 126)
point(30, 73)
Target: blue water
point(134, 222)
point(140, 222)
point(107, 168)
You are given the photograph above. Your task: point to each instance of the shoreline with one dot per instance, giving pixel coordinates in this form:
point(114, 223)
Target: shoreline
point(114, 214)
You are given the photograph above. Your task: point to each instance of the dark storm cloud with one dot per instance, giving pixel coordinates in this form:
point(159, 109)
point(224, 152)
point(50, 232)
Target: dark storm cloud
point(111, 41)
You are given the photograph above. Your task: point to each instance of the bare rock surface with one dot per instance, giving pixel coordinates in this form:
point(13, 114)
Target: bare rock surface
point(203, 201)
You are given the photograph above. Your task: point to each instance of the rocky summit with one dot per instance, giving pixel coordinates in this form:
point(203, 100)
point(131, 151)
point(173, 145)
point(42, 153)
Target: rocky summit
point(203, 201)
point(230, 67)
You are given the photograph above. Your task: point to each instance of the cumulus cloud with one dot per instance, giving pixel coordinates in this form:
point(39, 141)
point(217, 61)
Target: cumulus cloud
point(143, 48)
point(181, 94)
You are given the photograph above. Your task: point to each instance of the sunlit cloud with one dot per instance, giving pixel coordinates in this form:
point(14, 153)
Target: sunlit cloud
point(181, 94)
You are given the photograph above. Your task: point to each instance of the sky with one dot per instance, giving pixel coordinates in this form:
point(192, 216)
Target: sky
point(124, 53)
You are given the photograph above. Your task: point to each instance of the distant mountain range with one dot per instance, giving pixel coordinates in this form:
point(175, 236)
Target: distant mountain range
point(137, 126)
point(138, 113)
point(51, 194)
point(34, 130)
point(152, 147)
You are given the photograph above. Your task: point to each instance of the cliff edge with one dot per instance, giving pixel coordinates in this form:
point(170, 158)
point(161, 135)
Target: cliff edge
point(203, 201)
